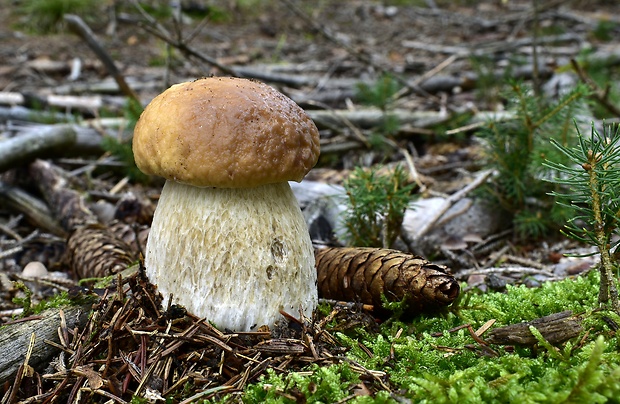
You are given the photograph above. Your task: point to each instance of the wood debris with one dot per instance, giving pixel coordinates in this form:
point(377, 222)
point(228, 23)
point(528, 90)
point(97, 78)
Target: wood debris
point(555, 328)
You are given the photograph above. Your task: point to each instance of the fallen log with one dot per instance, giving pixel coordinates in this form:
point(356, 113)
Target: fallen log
point(36, 142)
point(15, 338)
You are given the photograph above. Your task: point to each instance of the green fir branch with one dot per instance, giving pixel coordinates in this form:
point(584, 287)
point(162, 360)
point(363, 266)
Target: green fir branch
point(593, 181)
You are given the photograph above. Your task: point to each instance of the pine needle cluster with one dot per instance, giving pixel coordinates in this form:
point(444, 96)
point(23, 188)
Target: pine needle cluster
point(516, 149)
point(592, 192)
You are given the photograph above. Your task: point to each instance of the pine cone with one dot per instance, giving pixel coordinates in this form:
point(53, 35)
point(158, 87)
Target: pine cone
point(95, 252)
point(364, 274)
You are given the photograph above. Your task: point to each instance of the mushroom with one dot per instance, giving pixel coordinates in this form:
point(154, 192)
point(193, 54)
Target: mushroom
point(228, 240)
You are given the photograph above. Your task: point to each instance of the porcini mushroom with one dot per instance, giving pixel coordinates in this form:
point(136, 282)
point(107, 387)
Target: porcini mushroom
point(228, 240)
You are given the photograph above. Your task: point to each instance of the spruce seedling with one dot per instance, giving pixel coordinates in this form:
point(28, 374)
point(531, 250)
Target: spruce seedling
point(593, 182)
point(376, 206)
point(381, 95)
point(516, 149)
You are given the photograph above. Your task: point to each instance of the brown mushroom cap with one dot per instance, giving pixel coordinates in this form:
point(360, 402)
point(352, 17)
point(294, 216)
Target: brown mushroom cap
point(225, 132)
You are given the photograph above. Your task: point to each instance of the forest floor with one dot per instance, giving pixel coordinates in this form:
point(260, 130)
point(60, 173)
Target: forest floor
point(442, 71)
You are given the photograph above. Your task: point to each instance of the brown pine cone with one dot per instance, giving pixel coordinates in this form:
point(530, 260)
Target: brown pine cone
point(94, 252)
point(361, 274)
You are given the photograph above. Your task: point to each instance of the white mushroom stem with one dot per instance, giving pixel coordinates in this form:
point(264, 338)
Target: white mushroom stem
point(235, 256)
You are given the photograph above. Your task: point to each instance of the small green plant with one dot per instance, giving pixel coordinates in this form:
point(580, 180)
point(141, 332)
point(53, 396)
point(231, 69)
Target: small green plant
point(516, 149)
point(123, 152)
point(46, 16)
point(26, 301)
point(381, 95)
point(593, 181)
point(604, 30)
point(376, 206)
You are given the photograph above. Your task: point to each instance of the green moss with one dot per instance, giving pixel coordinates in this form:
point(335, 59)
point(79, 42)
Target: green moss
point(59, 300)
point(451, 367)
point(321, 384)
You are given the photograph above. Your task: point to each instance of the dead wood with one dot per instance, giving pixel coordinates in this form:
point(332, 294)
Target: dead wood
point(36, 142)
point(67, 204)
point(369, 118)
point(366, 274)
point(152, 26)
point(15, 338)
point(599, 94)
point(106, 86)
point(555, 328)
point(35, 210)
point(19, 113)
point(66, 102)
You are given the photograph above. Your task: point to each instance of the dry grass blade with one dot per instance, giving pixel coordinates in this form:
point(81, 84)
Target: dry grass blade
point(363, 275)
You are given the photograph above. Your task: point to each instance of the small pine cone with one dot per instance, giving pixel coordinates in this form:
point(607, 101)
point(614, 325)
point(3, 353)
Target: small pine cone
point(94, 252)
point(362, 275)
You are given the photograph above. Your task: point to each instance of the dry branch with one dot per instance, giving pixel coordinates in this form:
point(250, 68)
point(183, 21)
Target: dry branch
point(81, 29)
point(67, 204)
point(34, 209)
point(368, 118)
point(34, 143)
point(19, 113)
point(366, 274)
point(64, 102)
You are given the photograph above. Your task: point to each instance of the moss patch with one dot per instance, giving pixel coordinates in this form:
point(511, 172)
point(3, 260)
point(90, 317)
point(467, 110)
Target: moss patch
point(428, 364)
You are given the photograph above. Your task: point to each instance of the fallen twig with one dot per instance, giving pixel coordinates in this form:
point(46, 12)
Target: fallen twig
point(555, 328)
point(81, 29)
point(15, 339)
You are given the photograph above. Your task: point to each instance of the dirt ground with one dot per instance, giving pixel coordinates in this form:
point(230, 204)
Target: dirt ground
point(272, 33)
